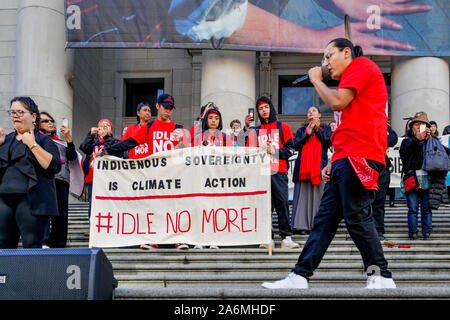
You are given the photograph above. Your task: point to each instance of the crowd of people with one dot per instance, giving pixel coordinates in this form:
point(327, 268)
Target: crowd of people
point(352, 184)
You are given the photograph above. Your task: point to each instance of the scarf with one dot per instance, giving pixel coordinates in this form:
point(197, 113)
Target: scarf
point(365, 173)
point(311, 159)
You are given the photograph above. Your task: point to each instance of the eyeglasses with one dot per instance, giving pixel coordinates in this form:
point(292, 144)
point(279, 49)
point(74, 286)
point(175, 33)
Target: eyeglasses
point(47, 121)
point(17, 114)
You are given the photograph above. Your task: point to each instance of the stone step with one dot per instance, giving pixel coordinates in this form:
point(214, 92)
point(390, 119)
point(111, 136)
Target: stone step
point(419, 293)
point(255, 281)
point(269, 267)
point(112, 252)
point(249, 258)
point(438, 244)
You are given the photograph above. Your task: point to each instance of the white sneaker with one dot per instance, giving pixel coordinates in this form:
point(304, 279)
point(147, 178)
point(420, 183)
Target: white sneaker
point(292, 281)
point(266, 245)
point(379, 282)
point(288, 243)
point(197, 246)
point(214, 247)
point(44, 246)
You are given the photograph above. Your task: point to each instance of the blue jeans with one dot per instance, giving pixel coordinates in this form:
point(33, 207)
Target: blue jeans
point(344, 198)
point(413, 198)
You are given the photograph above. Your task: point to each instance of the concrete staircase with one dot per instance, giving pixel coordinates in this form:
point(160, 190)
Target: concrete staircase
point(421, 271)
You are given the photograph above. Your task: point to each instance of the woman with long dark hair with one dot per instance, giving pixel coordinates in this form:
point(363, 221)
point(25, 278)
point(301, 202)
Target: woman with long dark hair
point(28, 163)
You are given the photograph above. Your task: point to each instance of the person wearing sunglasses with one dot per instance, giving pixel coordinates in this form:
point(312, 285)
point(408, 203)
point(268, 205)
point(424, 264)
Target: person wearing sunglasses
point(56, 237)
point(28, 162)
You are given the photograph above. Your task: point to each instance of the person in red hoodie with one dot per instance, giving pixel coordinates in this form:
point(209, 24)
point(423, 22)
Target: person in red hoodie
point(211, 132)
point(197, 127)
point(144, 114)
point(278, 140)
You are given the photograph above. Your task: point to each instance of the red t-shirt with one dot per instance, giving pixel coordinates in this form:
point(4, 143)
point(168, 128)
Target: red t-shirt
point(363, 123)
point(159, 137)
point(269, 133)
point(142, 150)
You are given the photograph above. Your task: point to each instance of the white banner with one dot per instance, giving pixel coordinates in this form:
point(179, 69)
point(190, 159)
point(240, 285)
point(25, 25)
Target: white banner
point(200, 196)
point(396, 164)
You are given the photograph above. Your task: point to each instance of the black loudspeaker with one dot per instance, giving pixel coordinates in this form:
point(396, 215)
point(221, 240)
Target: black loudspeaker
point(56, 274)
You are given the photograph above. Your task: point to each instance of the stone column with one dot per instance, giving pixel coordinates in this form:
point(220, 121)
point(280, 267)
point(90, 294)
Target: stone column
point(265, 68)
point(228, 80)
point(419, 84)
point(43, 66)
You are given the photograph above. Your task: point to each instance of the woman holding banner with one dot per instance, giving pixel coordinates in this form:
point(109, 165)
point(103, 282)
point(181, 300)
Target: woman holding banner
point(211, 135)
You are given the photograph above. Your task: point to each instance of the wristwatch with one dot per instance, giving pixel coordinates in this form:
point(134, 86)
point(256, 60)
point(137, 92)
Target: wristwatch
point(33, 146)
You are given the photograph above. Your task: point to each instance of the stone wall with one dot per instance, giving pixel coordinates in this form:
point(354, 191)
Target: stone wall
point(8, 23)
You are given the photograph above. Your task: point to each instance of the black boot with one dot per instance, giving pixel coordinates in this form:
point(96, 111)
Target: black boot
point(413, 236)
point(427, 236)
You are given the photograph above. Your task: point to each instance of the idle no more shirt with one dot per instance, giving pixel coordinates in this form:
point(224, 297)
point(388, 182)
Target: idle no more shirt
point(362, 128)
point(142, 150)
point(159, 136)
point(283, 149)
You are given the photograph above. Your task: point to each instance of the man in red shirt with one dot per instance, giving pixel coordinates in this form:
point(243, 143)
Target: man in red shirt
point(161, 134)
point(144, 114)
point(359, 143)
point(278, 140)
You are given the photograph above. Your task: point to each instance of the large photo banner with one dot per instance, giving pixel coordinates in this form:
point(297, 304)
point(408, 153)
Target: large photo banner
point(199, 196)
point(379, 26)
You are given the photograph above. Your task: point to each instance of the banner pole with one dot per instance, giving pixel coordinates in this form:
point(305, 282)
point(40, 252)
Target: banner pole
point(90, 237)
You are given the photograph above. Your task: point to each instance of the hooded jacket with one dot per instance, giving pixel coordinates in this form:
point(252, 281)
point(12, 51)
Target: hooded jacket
point(219, 138)
point(279, 134)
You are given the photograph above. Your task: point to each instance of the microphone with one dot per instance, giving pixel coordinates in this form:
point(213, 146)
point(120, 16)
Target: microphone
point(305, 78)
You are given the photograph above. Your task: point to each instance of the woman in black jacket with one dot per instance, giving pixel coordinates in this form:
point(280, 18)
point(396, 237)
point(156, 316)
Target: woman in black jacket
point(411, 154)
point(312, 142)
point(98, 138)
point(28, 162)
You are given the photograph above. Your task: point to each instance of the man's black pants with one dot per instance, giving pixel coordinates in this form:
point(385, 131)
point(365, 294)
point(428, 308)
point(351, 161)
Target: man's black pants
point(344, 198)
